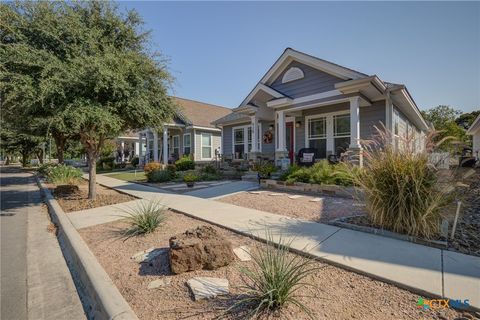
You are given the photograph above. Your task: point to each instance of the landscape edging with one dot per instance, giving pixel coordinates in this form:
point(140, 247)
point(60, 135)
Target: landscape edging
point(103, 298)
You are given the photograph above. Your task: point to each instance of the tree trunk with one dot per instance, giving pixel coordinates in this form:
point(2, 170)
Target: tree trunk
point(60, 144)
point(39, 154)
point(24, 158)
point(92, 175)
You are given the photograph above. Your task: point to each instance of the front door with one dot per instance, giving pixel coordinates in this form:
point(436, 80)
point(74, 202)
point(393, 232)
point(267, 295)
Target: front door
point(289, 127)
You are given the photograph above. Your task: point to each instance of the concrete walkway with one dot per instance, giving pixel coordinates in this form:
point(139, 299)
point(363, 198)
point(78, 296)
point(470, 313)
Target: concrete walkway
point(423, 269)
point(35, 280)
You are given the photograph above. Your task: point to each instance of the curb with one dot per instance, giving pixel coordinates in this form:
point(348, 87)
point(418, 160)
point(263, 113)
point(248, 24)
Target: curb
point(104, 301)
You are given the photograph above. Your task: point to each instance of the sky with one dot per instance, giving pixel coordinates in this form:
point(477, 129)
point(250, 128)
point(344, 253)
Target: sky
point(218, 51)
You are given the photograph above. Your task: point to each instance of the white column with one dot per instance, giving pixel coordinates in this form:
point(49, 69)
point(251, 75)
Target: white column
point(165, 145)
point(355, 122)
point(123, 151)
point(137, 147)
point(254, 134)
point(140, 141)
point(155, 145)
point(281, 134)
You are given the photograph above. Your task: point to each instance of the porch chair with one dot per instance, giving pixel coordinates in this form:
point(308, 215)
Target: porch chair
point(306, 157)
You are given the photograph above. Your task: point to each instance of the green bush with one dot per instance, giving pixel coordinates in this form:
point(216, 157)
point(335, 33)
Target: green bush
point(273, 280)
point(135, 161)
point(291, 169)
point(144, 218)
point(185, 164)
point(159, 176)
point(106, 163)
point(62, 174)
point(402, 191)
point(172, 169)
point(209, 177)
point(321, 173)
point(264, 168)
point(190, 177)
point(45, 168)
point(209, 169)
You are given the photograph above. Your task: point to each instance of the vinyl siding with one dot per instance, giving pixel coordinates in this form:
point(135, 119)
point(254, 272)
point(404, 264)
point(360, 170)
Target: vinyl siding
point(314, 81)
point(370, 117)
point(267, 147)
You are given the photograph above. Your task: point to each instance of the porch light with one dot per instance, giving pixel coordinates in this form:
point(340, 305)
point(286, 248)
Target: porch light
point(298, 124)
point(270, 128)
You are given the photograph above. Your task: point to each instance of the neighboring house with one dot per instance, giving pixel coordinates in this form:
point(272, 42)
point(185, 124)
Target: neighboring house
point(303, 101)
point(474, 131)
point(189, 133)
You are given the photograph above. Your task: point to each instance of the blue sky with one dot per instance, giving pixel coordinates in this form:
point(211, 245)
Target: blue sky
point(219, 50)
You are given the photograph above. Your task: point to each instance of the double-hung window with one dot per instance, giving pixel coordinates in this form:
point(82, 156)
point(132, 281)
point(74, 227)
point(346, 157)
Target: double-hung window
point(239, 142)
point(317, 136)
point(206, 145)
point(176, 146)
point(341, 133)
point(187, 143)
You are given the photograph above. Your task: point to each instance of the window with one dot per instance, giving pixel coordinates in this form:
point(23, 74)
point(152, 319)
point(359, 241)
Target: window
point(317, 136)
point(187, 144)
point(249, 138)
point(238, 143)
point(176, 146)
point(341, 133)
point(206, 145)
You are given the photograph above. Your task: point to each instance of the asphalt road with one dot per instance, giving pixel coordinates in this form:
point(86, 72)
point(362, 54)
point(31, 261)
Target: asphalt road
point(19, 197)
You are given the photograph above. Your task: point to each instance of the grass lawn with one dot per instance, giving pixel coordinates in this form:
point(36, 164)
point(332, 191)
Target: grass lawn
point(130, 176)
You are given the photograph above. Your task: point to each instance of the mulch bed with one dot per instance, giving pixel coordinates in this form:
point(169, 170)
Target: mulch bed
point(73, 199)
point(341, 294)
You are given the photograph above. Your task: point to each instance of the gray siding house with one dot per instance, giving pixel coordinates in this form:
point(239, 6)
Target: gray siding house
point(190, 133)
point(303, 101)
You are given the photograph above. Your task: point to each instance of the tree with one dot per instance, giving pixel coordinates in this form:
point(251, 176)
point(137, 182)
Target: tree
point(465, 120)
point(443, 119)
point(96, 71)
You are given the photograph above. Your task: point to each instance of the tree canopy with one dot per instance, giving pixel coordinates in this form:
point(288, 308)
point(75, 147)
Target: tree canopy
point(85, 67)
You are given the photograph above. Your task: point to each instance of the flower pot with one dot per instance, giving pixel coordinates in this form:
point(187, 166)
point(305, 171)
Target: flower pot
point(190, 184)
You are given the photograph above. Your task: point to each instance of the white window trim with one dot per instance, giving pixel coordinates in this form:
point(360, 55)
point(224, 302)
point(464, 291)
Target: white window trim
point(190, 145)
point(245, 137)
point(330, 136)
point(173, 144)
point(201, 145)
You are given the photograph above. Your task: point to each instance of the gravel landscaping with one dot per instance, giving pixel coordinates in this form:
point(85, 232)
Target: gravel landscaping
point(78, 200)
point(341, 294)
point(300, 206)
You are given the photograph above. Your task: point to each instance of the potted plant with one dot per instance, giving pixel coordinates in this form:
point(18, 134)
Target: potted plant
point(190, 179)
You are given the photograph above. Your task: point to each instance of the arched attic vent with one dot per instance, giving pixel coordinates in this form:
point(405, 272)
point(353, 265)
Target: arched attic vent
point(292, 74)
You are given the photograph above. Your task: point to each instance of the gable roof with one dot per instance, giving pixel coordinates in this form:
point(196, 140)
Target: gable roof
point(474, 127)
point(198, 113)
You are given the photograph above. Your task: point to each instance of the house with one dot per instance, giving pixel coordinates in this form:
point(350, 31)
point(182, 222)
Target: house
point(474, 131)
point(303, 101)
point(190, 132)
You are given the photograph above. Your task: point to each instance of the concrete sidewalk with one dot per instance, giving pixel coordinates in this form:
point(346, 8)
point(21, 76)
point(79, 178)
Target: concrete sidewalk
point(423, 269)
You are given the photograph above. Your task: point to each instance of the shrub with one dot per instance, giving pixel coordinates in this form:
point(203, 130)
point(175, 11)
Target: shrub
point(264, 168)
point(159, 176)
point(210, 169)
point(45, 168)
point(106, 163)
point(402, 191)
point(172, 169)
point(151, 166)
point(322, 173)
point(274, 279)
point(209, 177)
point(190, 177)
point(135, 161)
point(185, 163)
point(144, 218)
point(62, 174)
point(288, 172)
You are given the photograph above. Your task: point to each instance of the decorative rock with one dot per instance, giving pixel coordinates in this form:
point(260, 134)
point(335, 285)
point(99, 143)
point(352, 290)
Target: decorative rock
point(295, 196)
point(200, 248)
point(207, 287)
point(163, 282)
point(316, 199)
point(274, 194)
point(256, 192)
point(243, 253)
point(146, 256)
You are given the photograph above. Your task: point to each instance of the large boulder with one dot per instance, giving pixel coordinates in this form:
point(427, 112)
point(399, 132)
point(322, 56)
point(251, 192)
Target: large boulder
point(200, 248)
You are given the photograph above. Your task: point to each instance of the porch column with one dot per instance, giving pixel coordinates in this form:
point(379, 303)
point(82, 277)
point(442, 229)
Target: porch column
point(355, 123)
point(147, 146)
point(281, 134)
point(123, 151)
point(254, 134)
point(155, 145)
point(165, 145)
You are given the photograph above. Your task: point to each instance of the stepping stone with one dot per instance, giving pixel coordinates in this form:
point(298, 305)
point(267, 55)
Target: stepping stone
point(148, 255)
point(256, 192)
point(316, 199)
point(207, 287)
point(295, 197)
point(243, 253)
point(163, 282)
point(274, 194)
